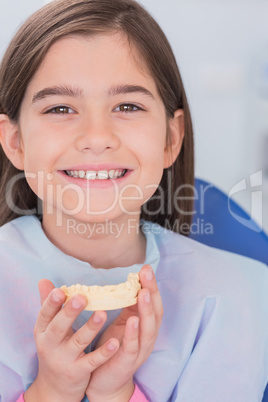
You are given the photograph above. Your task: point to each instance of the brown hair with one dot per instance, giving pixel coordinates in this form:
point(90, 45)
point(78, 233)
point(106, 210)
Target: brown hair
point(91, 17)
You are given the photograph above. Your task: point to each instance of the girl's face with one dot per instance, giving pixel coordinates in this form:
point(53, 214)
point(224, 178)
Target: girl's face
point(92, 112)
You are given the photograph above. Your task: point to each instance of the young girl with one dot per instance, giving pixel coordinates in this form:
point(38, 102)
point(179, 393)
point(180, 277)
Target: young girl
point(96, 164)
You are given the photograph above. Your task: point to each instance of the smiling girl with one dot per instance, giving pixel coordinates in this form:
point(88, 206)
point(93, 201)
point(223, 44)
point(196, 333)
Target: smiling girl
point(96, 159)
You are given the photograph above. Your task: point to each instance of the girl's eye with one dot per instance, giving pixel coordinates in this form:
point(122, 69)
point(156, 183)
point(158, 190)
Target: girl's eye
point(60, 110)
point(127, 108)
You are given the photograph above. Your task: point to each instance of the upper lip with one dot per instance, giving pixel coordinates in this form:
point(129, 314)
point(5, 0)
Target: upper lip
point(99, 167)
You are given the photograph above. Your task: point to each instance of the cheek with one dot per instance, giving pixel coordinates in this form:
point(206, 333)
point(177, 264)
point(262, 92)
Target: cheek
point(41, 149)
point(152, 159)
point(39, 136)
point(148, 139)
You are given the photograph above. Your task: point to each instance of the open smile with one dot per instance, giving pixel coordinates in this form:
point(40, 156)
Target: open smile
point(99, 178)
point(97, 174)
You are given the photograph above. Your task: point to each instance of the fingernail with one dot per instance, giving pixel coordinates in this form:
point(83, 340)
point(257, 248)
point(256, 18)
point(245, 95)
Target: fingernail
point(76, 303)
point(136, 323)
point(55, 296)
point(111, 346)
point(149, 274)
point(96, 318)
point(147, 297)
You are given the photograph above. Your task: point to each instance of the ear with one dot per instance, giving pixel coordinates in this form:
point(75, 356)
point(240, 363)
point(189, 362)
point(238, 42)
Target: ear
point(11, 142)
point(175, 135)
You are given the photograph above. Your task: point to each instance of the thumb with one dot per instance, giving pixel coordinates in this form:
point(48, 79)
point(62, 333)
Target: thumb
point(45, 287)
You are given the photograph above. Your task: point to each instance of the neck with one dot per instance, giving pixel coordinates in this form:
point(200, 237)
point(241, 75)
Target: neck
point(106, 244)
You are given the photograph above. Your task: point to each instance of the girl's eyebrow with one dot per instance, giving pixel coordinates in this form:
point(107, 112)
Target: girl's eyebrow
point(57, 90)
point(126, 89)
point(74, 92)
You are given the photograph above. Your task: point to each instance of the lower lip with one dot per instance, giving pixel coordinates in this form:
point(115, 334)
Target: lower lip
point(104, 183)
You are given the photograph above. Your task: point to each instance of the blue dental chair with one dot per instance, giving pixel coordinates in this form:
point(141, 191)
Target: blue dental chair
point(219, 222)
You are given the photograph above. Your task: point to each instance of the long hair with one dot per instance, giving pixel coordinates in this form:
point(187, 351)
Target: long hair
point(28, 49)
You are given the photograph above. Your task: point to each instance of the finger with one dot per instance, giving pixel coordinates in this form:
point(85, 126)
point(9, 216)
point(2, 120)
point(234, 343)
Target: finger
point(85, 335)
point(62, 322)
point(130, 346)
point(94, 359)
point(148, 323)
point(51, 306)
point(126, 357)
point(148, 281)
point(45, 287)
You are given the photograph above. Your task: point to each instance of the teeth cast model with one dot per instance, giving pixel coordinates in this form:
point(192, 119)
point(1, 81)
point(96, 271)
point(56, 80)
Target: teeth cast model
point(109, 297)
point(97, 175)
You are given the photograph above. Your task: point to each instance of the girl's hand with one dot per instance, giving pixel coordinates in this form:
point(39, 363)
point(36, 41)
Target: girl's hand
point(64, 368)
point(137, 329)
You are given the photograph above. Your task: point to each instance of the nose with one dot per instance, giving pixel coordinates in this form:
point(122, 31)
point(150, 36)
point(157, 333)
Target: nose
point(96, 135)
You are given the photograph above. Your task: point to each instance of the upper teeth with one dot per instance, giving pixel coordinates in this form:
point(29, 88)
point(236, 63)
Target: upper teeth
point(93, 175)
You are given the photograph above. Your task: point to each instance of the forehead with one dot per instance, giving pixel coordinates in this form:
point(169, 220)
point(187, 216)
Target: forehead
point(100, 59)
